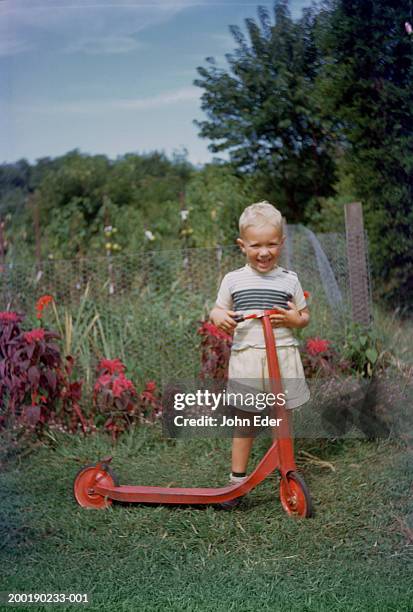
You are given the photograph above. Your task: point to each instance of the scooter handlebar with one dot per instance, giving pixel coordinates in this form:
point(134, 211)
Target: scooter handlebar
point(238, 318)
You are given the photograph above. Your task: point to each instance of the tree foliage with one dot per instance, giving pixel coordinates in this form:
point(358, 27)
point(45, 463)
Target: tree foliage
point(367, 83)
point(216, 198)
point(263, 110)
point(331, 91)
point(77, 195)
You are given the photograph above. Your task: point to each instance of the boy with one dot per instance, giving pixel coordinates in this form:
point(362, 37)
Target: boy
point(261, 284)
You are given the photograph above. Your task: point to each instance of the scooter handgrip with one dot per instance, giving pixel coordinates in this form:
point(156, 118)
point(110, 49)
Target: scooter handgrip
point(238, 318)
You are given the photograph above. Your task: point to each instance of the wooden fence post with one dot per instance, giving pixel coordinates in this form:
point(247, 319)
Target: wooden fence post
point(358, 264)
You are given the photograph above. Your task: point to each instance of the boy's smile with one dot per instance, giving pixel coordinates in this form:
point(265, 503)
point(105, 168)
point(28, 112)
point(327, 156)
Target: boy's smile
point(261, 246)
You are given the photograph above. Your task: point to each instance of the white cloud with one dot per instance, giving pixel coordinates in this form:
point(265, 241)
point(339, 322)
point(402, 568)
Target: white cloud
point(95, 107)
point(81, 26)
point(8, 46)
point(164, 99)
point(104, 46)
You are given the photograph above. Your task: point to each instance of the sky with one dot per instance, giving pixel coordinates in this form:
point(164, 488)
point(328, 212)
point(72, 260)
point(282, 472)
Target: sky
point(111, 77)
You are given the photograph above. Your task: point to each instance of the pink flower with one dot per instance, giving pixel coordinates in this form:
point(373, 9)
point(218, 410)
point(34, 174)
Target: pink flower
point(315, 346)
point(113, 366)
point(34, 336)
point(8, 316)
point(121, 384)
point(408, 27)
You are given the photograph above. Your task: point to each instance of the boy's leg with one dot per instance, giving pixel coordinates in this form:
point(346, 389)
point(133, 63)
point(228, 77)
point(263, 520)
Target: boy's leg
point(243, 373)
point(241, 448)
point(242, 441)
point(244, 369)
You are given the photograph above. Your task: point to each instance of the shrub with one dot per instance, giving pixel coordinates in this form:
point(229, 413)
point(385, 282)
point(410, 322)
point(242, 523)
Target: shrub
point(29, 364)
point(116, 398)
point(33, 376)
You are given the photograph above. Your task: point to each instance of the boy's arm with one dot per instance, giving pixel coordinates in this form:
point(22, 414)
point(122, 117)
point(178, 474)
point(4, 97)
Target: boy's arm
point(297, 316)
point(221, 315)
point(222, 319)
point(292, 318)
point(305, 317)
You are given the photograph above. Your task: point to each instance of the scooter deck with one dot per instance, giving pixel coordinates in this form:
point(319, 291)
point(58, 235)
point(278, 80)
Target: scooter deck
point(175, 495)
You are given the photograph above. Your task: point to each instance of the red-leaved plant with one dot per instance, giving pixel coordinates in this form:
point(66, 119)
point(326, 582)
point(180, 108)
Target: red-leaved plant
point(115, 395)
point(215, 351)
point(33, 375)
point(28, 371)
point(71, 396)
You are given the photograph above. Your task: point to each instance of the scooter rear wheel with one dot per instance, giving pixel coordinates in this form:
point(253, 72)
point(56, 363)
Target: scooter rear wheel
point(297, 501)
point(84, 482)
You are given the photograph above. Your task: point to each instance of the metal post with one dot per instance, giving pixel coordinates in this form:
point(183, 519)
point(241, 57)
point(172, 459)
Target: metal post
point(3, 248)
point(357, 264)
point(33, 200)
point(287, 246)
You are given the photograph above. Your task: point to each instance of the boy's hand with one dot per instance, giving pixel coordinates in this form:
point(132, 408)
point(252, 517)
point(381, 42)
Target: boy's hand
point(223, 319)
point(292, 318)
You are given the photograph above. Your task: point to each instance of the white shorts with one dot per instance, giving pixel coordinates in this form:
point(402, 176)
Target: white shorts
point(248, 368)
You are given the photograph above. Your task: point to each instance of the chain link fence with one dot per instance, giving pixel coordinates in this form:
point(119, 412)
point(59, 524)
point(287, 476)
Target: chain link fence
point(145, 307)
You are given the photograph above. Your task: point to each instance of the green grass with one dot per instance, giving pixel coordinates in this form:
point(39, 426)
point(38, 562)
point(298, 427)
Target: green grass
point(354, 555)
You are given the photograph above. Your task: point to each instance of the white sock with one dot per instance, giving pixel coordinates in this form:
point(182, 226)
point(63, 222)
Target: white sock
point(237, 479)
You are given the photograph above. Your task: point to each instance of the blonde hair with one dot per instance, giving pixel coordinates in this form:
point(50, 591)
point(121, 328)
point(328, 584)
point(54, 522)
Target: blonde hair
point(261, 213)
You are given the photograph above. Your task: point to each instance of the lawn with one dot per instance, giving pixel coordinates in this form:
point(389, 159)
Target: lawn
point(354, 555)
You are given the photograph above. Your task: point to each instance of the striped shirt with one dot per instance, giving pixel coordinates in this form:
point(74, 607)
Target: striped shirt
point(248, 290)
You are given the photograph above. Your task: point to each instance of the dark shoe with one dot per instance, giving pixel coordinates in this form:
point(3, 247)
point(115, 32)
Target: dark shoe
point(232, 503)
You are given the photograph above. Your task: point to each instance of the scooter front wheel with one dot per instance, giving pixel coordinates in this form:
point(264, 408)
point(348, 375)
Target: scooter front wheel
point(85, 480)
point(295, 498)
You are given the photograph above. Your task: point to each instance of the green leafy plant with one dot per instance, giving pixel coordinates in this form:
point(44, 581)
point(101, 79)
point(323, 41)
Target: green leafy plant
point(364, 350)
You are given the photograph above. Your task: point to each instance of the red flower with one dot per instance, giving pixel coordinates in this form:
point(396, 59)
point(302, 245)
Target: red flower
point(102, 381)
point(113, 366)
point(8, 316)
point(41, 303)
point(307, 294)
point(121, 384)
point(34, 336)
point(150, 386)
point(315, 346)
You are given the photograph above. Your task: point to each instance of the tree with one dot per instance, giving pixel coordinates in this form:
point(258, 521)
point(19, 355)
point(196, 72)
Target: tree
point(263, 111)
point(70, 197)
point(367, 82)
point(215, 198)
point(76, 195)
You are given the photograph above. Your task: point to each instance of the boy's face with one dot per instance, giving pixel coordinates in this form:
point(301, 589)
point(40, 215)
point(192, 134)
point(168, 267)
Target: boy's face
point(261, 246)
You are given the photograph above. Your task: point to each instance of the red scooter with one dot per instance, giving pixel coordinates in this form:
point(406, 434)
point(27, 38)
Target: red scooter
point(95, 486)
